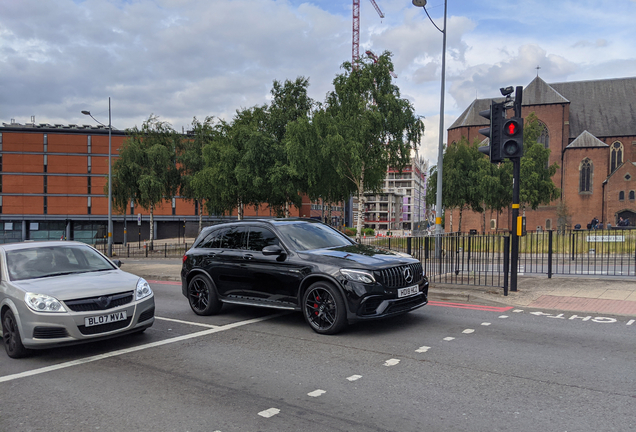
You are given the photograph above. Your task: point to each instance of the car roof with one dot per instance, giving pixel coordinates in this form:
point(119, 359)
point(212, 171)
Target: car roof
point(36, 244)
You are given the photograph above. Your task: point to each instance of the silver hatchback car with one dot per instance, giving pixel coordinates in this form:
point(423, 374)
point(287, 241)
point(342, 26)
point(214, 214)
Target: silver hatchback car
point(58, 293)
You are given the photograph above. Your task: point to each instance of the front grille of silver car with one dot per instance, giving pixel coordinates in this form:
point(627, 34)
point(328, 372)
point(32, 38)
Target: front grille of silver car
point(394, 277)
point(99, 303)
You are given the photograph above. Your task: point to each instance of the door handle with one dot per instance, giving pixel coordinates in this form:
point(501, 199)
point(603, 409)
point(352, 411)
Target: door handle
point(248, 256)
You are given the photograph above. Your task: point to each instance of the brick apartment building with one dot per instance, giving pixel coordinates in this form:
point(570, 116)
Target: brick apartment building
point(52, 180)
point(590, 128)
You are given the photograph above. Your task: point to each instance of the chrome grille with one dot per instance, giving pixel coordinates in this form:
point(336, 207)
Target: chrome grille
point(394, 277)
point(94, 303)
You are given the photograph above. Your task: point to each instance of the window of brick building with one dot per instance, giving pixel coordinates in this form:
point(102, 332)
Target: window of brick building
point(585, 176)
point(544, 138)
point(548, 224)
point(632, 195)
point(616, 155)
point(621, 196)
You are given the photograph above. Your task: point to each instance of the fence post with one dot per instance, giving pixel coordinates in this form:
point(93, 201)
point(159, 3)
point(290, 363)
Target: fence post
point(128, 251)
point(389, 243)
point(408, 245)
point(165, 250)
point(550, 254)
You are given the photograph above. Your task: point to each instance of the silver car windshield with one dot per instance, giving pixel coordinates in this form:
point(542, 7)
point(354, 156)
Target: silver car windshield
point(308, 236)
point(46, 261)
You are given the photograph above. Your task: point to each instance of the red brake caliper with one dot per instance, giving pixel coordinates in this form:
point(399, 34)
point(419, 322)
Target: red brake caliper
point(316, 304)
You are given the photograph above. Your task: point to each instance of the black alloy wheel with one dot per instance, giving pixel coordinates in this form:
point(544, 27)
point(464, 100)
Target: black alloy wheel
point(202, 296)
point(11, 336)
point(324, 308)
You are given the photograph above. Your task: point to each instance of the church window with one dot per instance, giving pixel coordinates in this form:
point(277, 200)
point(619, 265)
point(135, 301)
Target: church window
point(632, 195)
point(585, 176)
point(616, 155)
point(544, 138)
point(621, 196)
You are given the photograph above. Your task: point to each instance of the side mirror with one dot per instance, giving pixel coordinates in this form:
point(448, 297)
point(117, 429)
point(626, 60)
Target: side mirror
point(273, 250)
point(117, 262)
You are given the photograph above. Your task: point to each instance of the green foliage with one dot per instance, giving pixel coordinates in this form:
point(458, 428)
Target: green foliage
point(146, 168)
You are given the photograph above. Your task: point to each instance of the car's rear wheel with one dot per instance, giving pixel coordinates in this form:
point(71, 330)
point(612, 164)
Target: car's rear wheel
point(324, 308)
point(202, 296)
point(11, 336)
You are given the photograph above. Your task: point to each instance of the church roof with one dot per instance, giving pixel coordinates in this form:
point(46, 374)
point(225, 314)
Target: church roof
point(539, 92)
point(586, 140)
point(604, 108)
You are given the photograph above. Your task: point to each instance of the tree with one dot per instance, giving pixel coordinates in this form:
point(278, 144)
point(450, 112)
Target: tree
point(229, 179)
point(190, 161)
point(146, 171)
point(536, 186)
point(365, 127)
point(290, 102)
point(461, 178)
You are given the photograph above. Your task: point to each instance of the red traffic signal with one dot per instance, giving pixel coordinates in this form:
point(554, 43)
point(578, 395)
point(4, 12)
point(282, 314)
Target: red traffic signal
point(511, 128)
point(512, 146)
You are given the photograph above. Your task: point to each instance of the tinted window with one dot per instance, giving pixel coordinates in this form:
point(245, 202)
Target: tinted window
point(261, 237)
point(212, 240)
point(308, 236)
point(234, 238)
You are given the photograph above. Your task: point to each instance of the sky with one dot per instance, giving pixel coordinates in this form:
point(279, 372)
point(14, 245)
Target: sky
point(180, 59)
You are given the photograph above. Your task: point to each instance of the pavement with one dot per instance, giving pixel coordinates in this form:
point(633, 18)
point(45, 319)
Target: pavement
point(590, 294)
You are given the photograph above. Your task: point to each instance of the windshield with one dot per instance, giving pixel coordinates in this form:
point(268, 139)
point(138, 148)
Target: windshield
point(307, 236)
point(45, 261)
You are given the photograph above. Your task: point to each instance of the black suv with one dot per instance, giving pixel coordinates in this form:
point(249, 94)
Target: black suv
point(299, 264)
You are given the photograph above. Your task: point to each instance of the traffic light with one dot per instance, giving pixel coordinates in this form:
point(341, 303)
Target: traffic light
point(496, 115)
point(512, 146)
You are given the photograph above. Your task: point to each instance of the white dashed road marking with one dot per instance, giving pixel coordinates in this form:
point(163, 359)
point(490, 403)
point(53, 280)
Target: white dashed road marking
point(269, 412)
point(133, 349)
point(422, 349)
point(391, 362)
point(518, 310)
point(448, 339)
point(354, 377)
point(503, 316)
point(485, 324)
point(468, 331)
point(316, 393)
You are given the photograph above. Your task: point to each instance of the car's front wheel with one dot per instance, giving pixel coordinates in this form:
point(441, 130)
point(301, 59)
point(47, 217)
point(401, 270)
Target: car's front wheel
point(202, 296)
point(11, 336)
point(324, 308)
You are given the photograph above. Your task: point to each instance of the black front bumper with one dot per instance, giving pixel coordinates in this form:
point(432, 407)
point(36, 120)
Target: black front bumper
point(380, 306)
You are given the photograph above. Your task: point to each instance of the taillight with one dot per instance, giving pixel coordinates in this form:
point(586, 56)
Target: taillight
point(185, 257)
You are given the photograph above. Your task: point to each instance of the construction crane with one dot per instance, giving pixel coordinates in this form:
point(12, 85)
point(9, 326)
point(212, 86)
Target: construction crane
point(375, 60)
point(355, 47)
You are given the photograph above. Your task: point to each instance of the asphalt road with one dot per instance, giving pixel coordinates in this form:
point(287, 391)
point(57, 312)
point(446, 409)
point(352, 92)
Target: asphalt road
point(444, 367)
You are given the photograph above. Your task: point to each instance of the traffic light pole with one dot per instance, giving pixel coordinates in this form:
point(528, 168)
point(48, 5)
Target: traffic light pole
point(516, 223)
point(516, 220)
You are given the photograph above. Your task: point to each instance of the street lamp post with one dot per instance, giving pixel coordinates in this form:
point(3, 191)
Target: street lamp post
point(440, 150)
point(110, 178)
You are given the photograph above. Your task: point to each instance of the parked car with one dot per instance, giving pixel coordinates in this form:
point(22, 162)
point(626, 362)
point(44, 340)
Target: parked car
point(58, 293)
point(301, 265)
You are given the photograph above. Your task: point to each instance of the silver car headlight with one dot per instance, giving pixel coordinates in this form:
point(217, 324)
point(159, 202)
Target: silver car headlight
point(143, 289)
point(358, 275)
point(43, 303)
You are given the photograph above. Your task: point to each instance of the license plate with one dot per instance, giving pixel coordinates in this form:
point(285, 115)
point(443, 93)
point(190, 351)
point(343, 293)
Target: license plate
point(408, 291)
point(105, 319)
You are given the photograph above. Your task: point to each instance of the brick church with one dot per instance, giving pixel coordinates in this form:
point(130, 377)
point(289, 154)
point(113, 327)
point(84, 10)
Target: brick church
point(590, 128)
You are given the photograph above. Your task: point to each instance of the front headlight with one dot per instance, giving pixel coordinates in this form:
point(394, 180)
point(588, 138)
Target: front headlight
point(143, 289)
point(358, 275)
point(43, 303)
